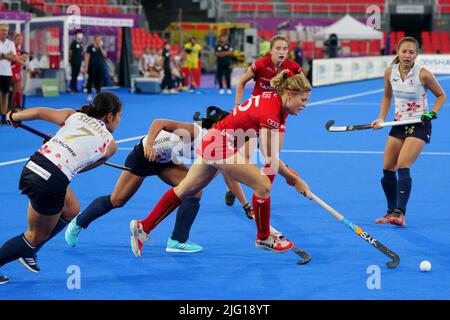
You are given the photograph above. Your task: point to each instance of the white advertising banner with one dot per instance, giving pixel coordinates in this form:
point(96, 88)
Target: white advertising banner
point(338, 70)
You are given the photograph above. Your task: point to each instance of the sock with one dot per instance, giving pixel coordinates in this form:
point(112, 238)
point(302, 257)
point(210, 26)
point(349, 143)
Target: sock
point(185, 218)
point(17, 99)
point(96, 209)
point(15, 248)
point(163, 208)
point(404, 188)
point(60, 225)
point(389, 183)
point(269, 172)
point(261, 208)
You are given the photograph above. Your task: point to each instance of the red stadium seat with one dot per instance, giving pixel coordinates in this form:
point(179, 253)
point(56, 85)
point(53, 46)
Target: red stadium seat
point(435, 42)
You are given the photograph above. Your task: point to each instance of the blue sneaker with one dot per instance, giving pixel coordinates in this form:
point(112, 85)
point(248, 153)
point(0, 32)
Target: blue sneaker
point(72, 232)
point(186, 247)
point(3, 279)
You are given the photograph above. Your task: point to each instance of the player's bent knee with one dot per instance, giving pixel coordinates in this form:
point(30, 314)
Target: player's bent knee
point(264, 188)
point(118, 202)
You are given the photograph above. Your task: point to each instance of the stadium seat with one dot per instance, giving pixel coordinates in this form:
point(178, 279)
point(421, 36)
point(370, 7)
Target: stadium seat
point(435, 42)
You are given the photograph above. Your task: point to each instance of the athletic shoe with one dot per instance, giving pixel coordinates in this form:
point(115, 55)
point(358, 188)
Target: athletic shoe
point(138, 237)
point(72, 232)
point(397, 218)
point(89, 98)
point(221, 91)
point(3, 279)
point(186, 247)
point(277, 234)
point(229, 91)
point(275, 244)
point(248, 209)
point(165, 91)
point(30, 263)
point(229, 198)
point(386, 218)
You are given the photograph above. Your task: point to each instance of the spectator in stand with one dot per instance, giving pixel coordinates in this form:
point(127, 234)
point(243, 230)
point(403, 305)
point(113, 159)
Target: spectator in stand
point(155, 62)
point(75, 59)
point(33, 67)
point(93, 66)
point(192, 72)
point(16, 68)
point(7, 56)
point(224, 52)
point(144, 63)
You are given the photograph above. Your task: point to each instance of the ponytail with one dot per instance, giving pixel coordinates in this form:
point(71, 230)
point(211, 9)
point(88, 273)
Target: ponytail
point(287, 80)
point(213, 115)
point(103, 104)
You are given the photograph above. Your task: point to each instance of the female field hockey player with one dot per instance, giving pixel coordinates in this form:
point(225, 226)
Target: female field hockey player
point(83, 142)
point(157, 154)
point(262, 70)
point(408, 83)
point(261, 116)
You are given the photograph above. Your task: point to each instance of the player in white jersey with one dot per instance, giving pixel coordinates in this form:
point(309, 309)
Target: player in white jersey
point(157, 154)
point(83, 142)
point(408, 83)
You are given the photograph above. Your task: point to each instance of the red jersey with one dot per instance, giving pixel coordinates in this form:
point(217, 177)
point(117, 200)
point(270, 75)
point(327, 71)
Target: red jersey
point(265, 70)
point(17, 68)
point(263, 111)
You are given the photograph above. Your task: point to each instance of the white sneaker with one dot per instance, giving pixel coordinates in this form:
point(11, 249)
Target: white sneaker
point(229, 91)
point(221, 91)
point(173, 91)
point(89, 98)
point(275, 244)
point(138, 237)
point(165, 91)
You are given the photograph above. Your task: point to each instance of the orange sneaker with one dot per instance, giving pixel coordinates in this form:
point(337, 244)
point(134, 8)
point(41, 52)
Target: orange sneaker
point(386, 218)
point(397, 218)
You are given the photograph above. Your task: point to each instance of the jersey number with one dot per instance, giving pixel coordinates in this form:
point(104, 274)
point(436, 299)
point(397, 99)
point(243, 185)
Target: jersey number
point(246, 105)
point(74, 136)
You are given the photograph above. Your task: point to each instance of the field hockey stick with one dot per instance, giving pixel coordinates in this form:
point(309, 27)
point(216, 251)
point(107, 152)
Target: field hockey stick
point(305, 255)
point(374, 242)
point(48, 137)
point(329, 125)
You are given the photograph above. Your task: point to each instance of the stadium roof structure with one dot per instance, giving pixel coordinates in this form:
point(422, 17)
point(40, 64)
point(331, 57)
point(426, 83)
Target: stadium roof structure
point(349, 28)
point(73, 22)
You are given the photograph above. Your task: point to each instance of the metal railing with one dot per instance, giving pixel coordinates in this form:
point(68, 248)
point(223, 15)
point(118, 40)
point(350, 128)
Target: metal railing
point(96, 8)
point(283, 9)
point(13, 5)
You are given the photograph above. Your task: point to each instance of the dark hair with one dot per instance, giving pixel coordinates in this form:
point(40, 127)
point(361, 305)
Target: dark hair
point(403, 40)
point(213, 115)
point(103, 103)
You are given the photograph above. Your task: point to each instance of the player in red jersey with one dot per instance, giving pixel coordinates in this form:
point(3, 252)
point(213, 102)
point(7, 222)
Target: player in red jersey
point(260, 116)
point(262, 71)
point(17, 73)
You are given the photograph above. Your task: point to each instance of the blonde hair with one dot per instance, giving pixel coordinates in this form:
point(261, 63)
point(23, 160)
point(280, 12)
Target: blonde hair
point(17, 35)
point(403, 40)
point(286, 81)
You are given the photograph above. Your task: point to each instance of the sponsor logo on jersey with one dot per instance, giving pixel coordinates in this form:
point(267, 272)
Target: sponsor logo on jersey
point(273, 123)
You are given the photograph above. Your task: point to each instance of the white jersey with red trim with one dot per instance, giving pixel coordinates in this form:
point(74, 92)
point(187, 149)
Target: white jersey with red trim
point(169, 146)
point(410, 95)
point(81, 141)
